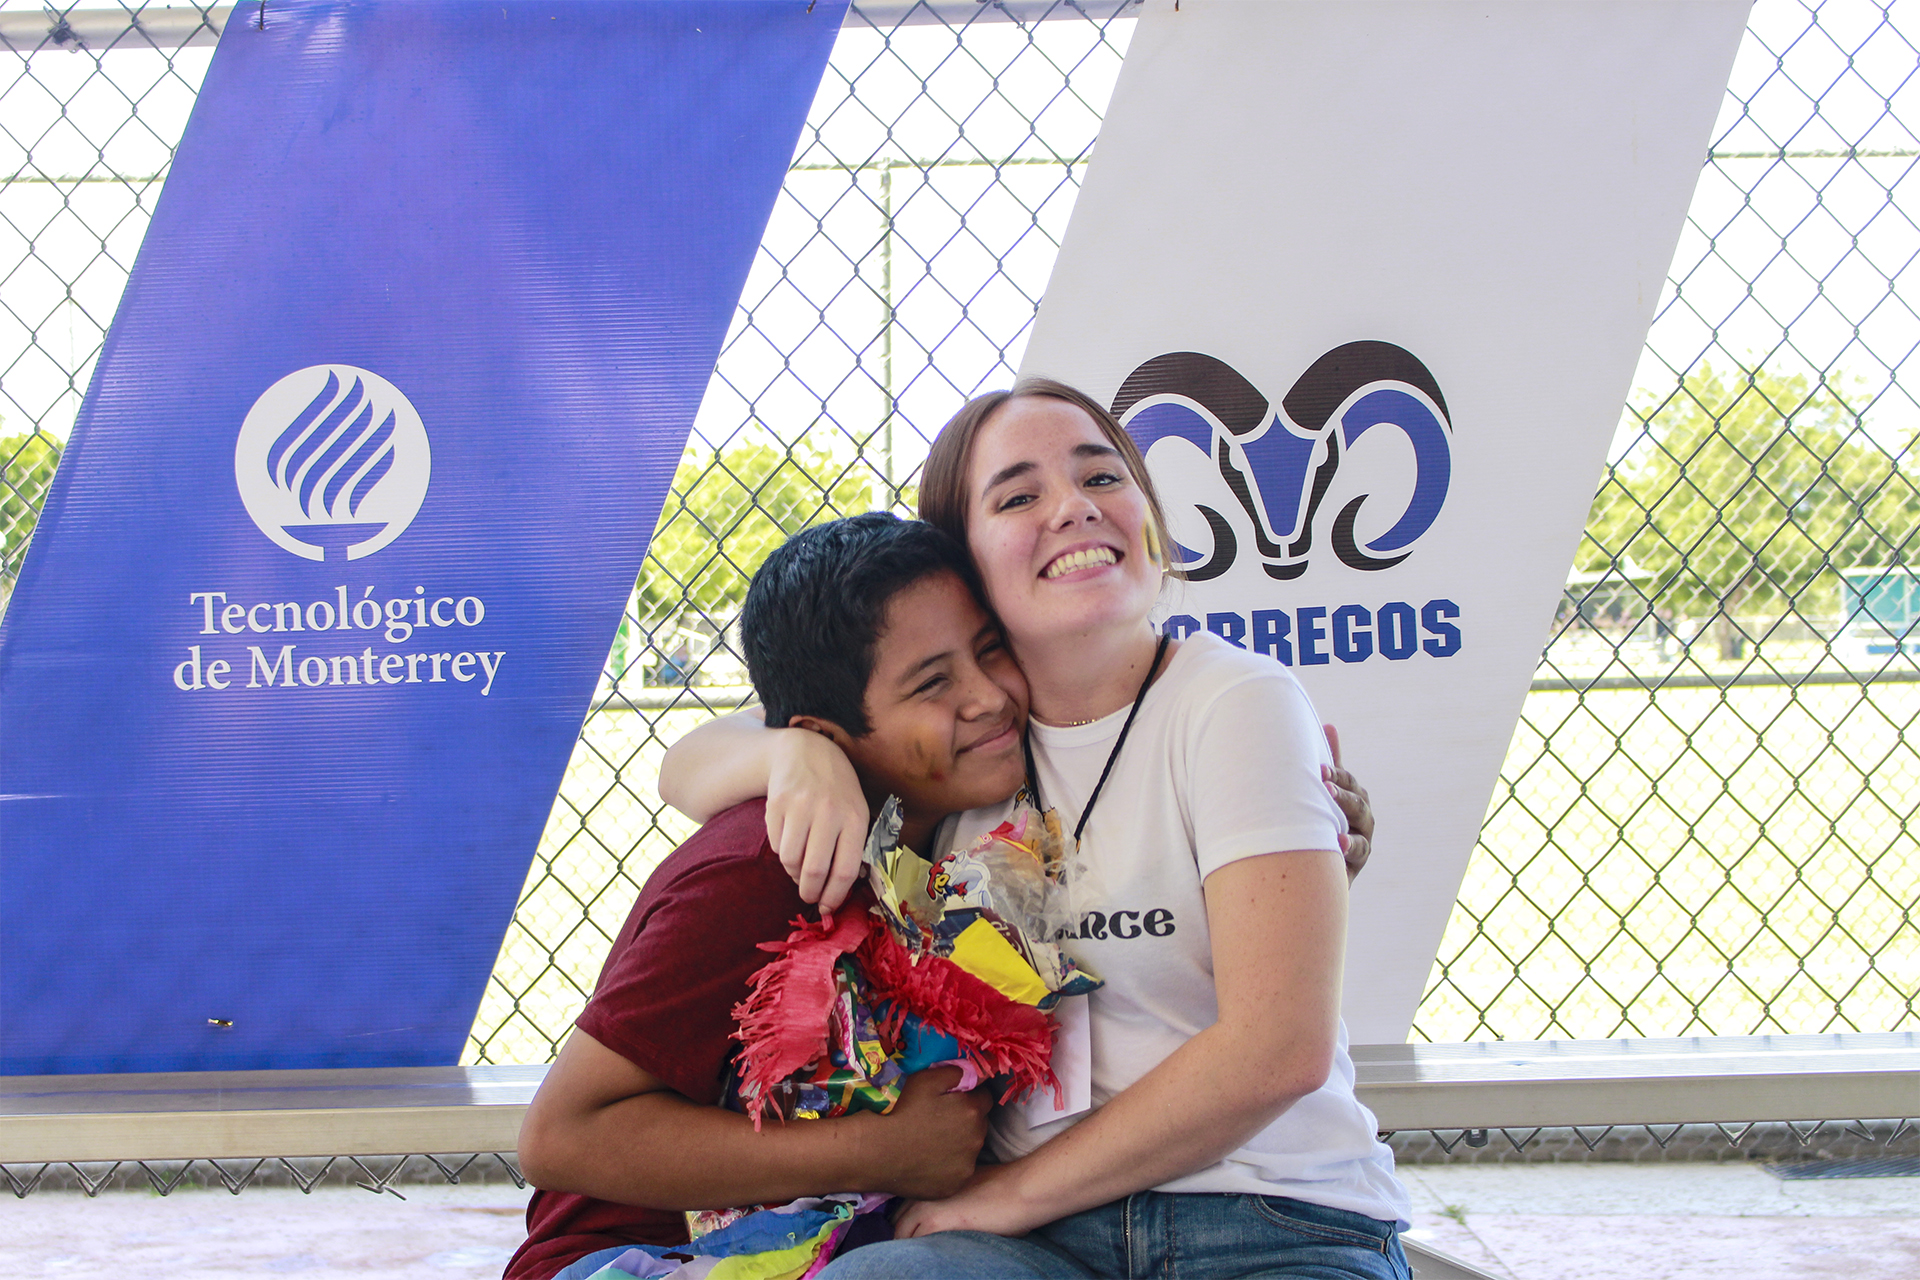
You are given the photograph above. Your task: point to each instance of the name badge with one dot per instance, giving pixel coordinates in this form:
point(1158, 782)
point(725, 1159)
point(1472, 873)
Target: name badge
point(1072, 1064)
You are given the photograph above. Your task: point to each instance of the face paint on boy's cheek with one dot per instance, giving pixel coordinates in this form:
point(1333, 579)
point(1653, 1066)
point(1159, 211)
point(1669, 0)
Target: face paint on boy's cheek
point(925, 763)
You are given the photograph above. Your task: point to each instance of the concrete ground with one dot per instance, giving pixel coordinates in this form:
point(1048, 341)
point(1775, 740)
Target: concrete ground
point(1517, 1222)
point(436, 1233)
point(1665, 1221)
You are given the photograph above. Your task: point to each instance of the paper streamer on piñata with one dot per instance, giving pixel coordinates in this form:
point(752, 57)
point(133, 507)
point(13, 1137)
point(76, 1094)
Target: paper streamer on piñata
point(789, 1242)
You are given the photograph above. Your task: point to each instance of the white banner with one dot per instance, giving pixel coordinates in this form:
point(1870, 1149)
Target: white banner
point(1369, 281)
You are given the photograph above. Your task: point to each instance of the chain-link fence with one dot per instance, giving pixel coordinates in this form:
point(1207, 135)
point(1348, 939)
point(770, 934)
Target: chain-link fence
point(1705, 824)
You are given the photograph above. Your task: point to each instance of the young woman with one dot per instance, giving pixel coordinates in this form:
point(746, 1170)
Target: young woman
point(1224, 1139)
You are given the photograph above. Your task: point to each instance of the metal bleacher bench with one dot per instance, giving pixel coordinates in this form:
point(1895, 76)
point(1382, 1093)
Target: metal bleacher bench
point(1510, 1085)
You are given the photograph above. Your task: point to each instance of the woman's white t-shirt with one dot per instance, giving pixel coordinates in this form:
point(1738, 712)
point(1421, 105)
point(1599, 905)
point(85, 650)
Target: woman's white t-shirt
point(1223, 762)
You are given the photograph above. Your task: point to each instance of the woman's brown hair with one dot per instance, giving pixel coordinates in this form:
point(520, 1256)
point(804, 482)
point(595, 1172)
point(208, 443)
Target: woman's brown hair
point(944, 500)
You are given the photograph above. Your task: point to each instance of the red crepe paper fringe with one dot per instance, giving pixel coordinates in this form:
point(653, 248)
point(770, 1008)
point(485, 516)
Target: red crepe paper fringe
point(783, 1020)
point(1001, 1036)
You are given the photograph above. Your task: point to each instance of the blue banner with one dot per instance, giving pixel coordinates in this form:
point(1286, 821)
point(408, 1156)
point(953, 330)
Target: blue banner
point(323, 587)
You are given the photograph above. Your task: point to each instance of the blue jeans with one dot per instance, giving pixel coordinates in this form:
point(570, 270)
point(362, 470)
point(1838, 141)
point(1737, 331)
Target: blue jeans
point(1152, 1233)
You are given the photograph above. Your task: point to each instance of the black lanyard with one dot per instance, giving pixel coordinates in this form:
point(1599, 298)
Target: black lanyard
point(1033, 777)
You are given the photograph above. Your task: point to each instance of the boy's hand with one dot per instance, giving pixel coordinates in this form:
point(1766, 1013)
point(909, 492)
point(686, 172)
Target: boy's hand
point(926, 1146)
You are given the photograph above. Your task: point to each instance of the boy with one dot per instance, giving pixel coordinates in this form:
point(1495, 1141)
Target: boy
point(870, 630)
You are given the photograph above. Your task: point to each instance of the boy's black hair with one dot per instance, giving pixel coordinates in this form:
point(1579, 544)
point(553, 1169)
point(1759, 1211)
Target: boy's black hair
point(816, 607)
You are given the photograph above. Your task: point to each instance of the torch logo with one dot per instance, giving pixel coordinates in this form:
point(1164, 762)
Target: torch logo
point(332, 462)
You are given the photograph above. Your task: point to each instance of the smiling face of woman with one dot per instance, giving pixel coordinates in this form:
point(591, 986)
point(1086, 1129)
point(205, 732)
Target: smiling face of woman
point(1057, 524)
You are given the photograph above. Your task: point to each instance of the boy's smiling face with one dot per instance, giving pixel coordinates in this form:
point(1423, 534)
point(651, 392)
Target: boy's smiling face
point(946, 704)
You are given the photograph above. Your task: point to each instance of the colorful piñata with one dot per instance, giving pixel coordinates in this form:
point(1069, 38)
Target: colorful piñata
point(950, 963)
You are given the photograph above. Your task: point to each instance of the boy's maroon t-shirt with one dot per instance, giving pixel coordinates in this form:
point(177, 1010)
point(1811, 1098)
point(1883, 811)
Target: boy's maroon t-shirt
point(665, 1002)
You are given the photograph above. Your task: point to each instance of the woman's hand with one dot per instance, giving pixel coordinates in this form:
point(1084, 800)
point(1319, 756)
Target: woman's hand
point(984, 1204)
point(1278, 925)
point(1357, 845)
point(817, 816)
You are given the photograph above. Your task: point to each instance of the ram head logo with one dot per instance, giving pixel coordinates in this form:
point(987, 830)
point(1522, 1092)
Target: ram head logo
point(1280, 461)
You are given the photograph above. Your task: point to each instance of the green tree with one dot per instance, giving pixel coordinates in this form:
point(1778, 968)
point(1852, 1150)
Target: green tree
point(727, 510)
point(29, 461)
point(1743, 490)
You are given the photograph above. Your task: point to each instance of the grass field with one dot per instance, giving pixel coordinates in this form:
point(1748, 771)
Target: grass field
point(1692, 861)
point(607, 831)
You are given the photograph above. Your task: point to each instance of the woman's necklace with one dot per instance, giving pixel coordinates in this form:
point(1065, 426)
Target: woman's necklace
point(1026, 744)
